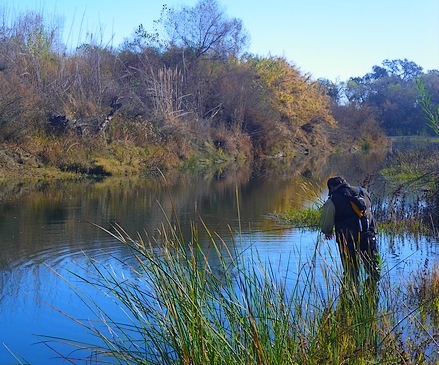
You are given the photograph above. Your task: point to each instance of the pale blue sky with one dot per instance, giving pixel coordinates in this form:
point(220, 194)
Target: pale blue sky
point(335, 39)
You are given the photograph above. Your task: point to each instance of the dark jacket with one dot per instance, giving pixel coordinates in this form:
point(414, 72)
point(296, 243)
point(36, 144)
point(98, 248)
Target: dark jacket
point(344, 217)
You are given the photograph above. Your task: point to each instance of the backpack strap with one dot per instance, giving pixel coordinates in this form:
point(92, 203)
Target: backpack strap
point(357, 210)
point(357, 201)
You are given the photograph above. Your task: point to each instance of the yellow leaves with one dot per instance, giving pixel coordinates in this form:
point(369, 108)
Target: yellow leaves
point(293, 94)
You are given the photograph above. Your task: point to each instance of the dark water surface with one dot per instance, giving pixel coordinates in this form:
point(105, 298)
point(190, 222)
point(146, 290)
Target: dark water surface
point(49, 232)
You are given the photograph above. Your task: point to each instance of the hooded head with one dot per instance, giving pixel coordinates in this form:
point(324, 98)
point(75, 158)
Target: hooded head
point(335, 182)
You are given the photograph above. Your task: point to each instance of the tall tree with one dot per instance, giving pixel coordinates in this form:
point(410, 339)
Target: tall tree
point(403, 69)
point(189, 36)
point(390, 90)
point(203, 29)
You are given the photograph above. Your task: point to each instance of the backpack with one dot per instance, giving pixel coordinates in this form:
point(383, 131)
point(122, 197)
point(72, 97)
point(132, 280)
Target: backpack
point(359, 206)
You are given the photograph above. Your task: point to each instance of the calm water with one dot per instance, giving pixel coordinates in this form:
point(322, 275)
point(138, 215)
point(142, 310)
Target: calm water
point(48, 232)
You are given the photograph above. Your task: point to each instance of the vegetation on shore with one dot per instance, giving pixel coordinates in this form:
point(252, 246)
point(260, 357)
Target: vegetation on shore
point(188, 102)
point(154, 103)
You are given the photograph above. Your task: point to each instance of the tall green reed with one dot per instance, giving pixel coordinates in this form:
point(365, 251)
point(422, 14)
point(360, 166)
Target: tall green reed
point(187, 303)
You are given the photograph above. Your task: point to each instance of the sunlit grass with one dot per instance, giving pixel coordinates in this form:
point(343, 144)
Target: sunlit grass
point(187, 304)
point(306, 217)
point(413, 167)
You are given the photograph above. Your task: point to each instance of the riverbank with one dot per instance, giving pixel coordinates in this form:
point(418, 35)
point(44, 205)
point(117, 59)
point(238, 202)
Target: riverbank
point(52, 157)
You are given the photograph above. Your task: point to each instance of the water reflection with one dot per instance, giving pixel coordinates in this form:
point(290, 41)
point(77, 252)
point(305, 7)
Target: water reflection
point(50, 227)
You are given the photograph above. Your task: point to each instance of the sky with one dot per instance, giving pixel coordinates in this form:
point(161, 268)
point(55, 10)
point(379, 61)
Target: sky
point(333, 39)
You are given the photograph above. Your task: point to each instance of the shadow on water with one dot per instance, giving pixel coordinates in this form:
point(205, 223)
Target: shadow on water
point(49, 227)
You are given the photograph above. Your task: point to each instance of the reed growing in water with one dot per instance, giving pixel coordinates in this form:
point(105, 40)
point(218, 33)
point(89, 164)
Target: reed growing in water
point(187, 304)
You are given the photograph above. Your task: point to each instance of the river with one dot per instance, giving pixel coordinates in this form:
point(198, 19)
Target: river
point(50, 230)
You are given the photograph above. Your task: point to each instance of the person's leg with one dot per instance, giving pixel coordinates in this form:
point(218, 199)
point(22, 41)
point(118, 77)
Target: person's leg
point(348, 255)
point(370, 256)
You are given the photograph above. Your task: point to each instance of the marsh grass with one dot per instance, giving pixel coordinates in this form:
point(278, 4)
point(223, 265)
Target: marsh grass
point(400, 220)
point(411, 165)
point(412, 173)
point(305, 217)
point(420, 305)
point(185, 303)
point(423, 292)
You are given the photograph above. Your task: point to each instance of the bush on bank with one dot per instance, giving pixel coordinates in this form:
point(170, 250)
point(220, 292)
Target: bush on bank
point(76, 110)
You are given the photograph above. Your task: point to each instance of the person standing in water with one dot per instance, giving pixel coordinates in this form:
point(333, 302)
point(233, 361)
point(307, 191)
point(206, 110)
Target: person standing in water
point(348, 210)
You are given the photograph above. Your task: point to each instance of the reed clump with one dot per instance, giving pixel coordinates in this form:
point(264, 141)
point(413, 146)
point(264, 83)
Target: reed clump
point(304, 217)
point(423, 292)
point(198, 303)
